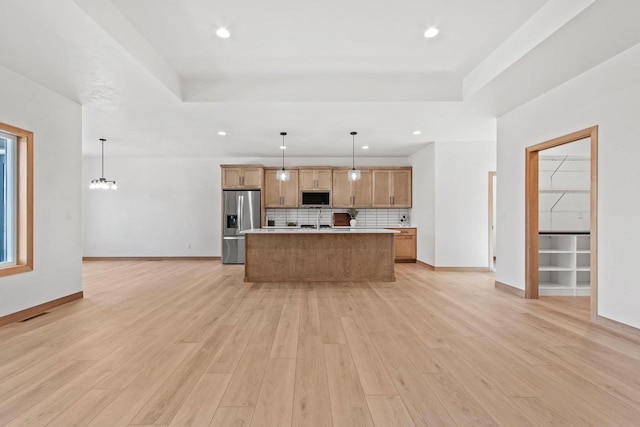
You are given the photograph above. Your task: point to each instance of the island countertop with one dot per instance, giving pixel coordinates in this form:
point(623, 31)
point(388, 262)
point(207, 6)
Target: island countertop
point(333, 230)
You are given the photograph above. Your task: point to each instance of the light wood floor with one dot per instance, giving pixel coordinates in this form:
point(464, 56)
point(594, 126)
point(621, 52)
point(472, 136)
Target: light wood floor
point(189, 343)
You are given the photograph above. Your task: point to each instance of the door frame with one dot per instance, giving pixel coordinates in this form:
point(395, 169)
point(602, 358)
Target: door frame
point(492, 174)
point(531, 212)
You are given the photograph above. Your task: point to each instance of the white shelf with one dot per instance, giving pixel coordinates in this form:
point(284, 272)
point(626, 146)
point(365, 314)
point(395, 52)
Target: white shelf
point(554, 268)
point(553, 285)
point(563, 264)
point(563, 190)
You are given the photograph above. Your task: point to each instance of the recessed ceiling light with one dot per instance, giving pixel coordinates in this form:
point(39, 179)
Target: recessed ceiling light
point(223, 33)
point(365, 147)
point(431, 32)
point(417, 132)
point(283, 147)
point(222, 133)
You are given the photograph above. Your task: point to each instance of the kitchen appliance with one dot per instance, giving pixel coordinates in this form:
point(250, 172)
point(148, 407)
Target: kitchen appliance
point(315, 199)
point(240, 211)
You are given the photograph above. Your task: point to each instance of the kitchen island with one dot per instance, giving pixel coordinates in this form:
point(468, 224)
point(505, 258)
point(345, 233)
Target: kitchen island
point(324, 255)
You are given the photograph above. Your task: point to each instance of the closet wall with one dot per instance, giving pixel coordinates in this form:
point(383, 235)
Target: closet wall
point(564, 180)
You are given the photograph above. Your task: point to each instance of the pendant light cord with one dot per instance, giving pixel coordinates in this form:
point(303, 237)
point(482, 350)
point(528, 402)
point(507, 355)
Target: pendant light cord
point(102, 140)
point(353, 150)
point(282, 148)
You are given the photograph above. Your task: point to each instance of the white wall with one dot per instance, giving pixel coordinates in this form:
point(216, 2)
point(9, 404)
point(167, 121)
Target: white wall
point(451, 202)
point(163, 207)
point(423, 215)
point(608, 96)
point(180, 217)
point(462, 202)
point(56, 123)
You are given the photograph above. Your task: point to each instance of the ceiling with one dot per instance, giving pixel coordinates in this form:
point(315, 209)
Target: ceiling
point(154, 79)
point(331, 36)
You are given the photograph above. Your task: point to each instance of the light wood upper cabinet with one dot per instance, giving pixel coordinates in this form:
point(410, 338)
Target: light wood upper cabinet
point(362, 190)
point(351, 194)
point(280, 194)
point(271, 189)
point(392, 188)
point(290, 192)
point(315, 179)
point(382, 188)
point(402, 188)
point(238, 177)
point(341, 193)
point(324, 179)
point(252, 177)
point(385, 187)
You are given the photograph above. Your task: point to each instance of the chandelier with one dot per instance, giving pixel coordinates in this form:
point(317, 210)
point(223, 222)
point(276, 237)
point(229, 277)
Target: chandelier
point(102, 183)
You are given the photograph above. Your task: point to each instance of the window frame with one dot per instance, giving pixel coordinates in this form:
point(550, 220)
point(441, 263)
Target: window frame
point(9, 182)
point(23, 201)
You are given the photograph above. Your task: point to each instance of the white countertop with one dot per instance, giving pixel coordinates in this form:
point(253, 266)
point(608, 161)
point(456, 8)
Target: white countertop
point(335, 230)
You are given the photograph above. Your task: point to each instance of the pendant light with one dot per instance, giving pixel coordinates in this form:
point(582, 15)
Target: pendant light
point(354, 174)
point(283, 175)
point(102, 183)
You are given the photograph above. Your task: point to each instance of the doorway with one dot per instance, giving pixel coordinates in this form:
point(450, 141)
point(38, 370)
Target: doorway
point(492, 221)
point(579, 247)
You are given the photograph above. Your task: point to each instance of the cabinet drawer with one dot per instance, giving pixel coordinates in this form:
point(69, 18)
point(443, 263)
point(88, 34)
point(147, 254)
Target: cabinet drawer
point(405, 231)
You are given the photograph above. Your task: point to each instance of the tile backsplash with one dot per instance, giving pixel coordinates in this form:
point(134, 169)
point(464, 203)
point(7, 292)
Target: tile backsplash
point(367, 218)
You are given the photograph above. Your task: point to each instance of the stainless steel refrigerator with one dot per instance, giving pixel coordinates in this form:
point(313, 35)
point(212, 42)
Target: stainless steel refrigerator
point(240, 211)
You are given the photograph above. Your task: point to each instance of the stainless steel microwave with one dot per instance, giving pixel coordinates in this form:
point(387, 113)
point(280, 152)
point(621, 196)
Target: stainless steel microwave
point(315, 199)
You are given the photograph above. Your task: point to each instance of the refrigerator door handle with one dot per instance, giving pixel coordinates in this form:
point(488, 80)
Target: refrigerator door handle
point(233, 238)
point(240, 205)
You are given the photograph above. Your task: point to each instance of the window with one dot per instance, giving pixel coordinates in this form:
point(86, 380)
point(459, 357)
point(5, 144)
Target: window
point(16, 200)
point(7, 199)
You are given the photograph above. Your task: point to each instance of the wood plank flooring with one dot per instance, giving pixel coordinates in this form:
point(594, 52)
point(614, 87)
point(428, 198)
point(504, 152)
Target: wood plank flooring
point(188, 343)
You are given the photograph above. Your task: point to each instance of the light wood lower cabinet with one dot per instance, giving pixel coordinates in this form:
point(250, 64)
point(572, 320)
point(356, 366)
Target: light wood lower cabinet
point(406, 244)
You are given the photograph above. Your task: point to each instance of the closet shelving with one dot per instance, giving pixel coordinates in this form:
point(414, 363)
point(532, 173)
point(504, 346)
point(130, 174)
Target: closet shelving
point(564, 241)
point(564, 263)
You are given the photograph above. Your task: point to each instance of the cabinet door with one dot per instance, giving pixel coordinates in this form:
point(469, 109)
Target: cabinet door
point(271, 189)
point(405, 244)
point(307, 179)
point(361, 190)
point(289, 191)
point(401, 188)
point(323, 179)
point(405, 247)
point(382, 189)
point(341, 193)
point(252, 178)
point(231, 178)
